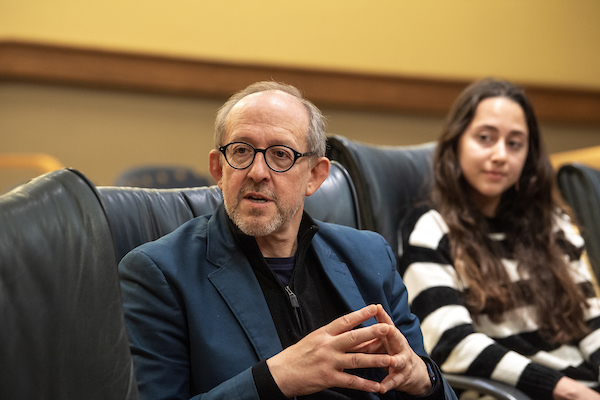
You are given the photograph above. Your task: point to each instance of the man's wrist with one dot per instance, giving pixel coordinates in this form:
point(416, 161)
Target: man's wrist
point(265, 383)
point(432, 376)
point(435, 377)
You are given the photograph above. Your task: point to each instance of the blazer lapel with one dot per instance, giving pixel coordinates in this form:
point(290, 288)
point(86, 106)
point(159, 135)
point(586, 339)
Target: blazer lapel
point(237, 284)
point(340, 276)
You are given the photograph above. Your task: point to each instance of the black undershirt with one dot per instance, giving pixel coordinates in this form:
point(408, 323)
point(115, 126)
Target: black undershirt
point(282, 267)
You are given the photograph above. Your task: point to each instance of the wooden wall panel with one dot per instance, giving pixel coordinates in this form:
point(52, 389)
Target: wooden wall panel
point(44, 63)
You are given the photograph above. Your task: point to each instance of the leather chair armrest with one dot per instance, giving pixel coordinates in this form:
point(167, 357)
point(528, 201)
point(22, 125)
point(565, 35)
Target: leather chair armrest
point(499, 390)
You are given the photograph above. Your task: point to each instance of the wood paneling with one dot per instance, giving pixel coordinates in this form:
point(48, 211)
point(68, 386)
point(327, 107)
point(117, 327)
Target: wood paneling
point(44, 63)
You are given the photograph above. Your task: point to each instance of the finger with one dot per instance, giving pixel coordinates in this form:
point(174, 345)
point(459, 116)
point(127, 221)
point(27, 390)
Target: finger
point(371, 346)
point(363, 347)
point(382, 316)
point(347, 341)
point(396, 341)
point(406, 375)
point(349, 381)
point(351, 320)
point(390, 382)
point(397, 374)
point(362, 360)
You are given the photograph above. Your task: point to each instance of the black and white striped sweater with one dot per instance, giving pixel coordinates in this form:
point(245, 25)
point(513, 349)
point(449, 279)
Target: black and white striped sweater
point(511, 351)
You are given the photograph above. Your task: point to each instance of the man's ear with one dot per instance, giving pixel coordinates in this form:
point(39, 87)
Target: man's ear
point(318, 174)
point(215, 167)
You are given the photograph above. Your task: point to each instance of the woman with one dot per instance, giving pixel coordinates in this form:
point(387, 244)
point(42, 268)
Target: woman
point(493, 265)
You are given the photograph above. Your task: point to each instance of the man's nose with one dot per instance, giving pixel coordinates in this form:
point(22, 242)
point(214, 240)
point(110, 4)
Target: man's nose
point(259, 170)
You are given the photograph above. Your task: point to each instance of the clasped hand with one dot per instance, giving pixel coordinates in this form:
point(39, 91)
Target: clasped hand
point(319, 360)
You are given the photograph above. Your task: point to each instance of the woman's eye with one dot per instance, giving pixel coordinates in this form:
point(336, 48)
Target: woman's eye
point(484, 137)
point(515, 145)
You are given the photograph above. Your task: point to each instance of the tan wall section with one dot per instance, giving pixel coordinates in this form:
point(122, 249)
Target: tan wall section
point(535, 41)
point(102, 133)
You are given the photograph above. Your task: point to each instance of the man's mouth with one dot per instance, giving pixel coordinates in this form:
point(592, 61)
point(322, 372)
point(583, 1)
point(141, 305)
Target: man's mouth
point(257, 199)
point(258, 195)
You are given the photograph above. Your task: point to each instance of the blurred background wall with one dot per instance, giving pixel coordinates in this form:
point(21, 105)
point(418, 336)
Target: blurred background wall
point(72, 83)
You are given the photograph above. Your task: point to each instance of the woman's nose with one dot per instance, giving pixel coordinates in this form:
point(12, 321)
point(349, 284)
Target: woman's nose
point(499, 151)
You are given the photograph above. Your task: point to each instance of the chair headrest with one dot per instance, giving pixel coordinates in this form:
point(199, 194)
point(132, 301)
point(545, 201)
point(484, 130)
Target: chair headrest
point(162, 177)
point(389, 180)
point(140, 215)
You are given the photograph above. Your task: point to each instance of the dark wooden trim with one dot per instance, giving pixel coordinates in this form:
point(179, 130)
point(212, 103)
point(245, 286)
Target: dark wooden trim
point(45, 63)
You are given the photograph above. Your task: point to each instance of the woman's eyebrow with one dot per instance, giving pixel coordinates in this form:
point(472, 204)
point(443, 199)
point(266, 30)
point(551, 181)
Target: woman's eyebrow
point(488, 127)
point(517, 132)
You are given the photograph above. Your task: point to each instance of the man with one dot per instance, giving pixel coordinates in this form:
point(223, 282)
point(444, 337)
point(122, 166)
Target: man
point(258, 301)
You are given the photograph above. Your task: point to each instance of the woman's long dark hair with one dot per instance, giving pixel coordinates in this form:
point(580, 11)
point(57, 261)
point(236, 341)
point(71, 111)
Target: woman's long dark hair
point(527, 212)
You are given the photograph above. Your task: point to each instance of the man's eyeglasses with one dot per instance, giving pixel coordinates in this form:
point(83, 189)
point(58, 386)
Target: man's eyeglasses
point(279, 158)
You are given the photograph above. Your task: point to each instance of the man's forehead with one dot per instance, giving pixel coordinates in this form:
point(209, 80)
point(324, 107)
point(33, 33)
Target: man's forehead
point(272, 106)
point(272, 98)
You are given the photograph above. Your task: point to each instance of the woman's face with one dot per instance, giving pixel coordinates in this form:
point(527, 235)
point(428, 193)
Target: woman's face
point(492, 151)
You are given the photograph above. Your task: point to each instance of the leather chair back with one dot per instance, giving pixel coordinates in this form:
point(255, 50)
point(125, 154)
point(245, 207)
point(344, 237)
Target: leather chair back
point(62, 332)
point(138, 216)
point(162, 177)
point(389, 180)
point(580, 188)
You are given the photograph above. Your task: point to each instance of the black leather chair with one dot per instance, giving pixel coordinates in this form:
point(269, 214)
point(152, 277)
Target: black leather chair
point(579, 186)
point(389, 180)
point(62, 331)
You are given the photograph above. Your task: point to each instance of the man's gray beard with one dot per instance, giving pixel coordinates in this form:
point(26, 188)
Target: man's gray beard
point(252, 228)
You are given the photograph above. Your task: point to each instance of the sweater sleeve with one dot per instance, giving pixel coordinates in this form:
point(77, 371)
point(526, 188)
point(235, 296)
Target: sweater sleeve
point(265, 383)
point(590, 344)
point(448, 329)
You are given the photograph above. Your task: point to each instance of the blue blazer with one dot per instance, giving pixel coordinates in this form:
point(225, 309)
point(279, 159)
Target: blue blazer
point(197, 319)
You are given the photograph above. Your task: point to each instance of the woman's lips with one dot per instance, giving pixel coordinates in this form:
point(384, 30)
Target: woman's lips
point(495, 175)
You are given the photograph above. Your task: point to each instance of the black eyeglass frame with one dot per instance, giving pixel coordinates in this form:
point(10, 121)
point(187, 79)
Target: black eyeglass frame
point(297, 155)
